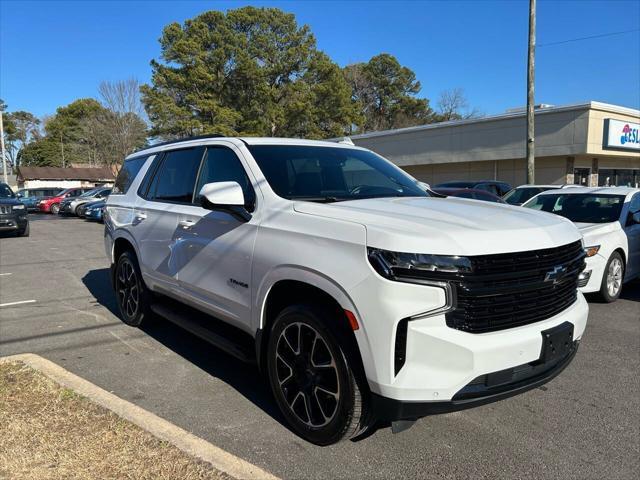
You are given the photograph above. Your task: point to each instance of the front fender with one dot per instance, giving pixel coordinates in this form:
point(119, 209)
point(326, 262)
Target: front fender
point(318, 280)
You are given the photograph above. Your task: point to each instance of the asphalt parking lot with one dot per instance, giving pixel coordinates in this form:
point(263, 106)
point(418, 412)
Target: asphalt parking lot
point(584, 424)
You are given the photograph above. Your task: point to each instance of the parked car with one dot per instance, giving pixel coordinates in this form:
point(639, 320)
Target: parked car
point(609, 219)
point(13, 213)
point(92, 210)
point(521, 194)
point(471, 193)
point(360, 296)
point(30, 197)
point(492, 186)
point(70, 206)
point(52, 205)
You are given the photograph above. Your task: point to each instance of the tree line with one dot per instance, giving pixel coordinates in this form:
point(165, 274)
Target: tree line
point(249, 71)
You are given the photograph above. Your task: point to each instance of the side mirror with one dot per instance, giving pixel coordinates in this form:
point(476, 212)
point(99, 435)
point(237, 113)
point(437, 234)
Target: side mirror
point(225, 196)
point(635, 218)
point(19, 195)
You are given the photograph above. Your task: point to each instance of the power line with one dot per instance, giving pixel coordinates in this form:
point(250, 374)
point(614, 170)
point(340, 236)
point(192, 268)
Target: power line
point(588, 38)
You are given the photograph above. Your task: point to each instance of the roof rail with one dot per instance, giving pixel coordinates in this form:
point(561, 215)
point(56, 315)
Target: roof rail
point(179, 140)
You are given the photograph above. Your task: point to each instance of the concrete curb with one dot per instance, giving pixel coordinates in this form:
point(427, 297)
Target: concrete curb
point(160, 428)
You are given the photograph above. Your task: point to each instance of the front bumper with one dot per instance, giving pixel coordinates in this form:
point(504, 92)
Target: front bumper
point(13, 222)
point(485, 389)
point(595, 268)
point(439, 361)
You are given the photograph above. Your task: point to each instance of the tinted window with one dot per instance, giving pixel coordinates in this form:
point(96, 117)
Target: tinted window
point(176, 177)
point(127, 174)
point(456, 185)
point(222, 165)
point(5, 191)
point(520, 195)
point(580, 207)
point(327, 174)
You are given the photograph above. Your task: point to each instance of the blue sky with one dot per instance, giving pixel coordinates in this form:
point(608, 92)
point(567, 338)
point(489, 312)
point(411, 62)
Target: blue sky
point(54, 52)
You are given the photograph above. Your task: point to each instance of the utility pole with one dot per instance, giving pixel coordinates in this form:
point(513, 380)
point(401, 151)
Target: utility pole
point(4, 158)
point(531, 70)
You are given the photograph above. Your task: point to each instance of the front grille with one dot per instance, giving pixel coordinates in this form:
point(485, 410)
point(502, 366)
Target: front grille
point(513, 289)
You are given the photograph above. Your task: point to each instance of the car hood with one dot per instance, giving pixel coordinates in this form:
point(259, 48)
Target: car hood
point(594, 233)
point(10, 201)
point(451, 226)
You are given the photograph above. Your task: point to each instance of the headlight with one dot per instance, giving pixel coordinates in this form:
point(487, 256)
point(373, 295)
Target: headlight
point(417, 266)
point(591, 251)
point(18, 207)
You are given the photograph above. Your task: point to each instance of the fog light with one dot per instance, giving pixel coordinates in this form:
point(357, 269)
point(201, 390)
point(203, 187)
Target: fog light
point(583, 278)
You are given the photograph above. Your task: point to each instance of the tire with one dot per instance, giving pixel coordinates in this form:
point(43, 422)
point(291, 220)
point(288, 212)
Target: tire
point(611, 285)
point(133, 297)
point(311, 377)
point(24, 232)
point(55, 208)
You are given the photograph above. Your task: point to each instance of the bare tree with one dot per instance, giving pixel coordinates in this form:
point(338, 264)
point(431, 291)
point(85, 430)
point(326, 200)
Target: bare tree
point(123, 121)
point(453, 105)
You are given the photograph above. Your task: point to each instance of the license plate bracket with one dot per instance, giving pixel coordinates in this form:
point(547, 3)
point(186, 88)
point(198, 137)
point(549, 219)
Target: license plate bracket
point(557, 343)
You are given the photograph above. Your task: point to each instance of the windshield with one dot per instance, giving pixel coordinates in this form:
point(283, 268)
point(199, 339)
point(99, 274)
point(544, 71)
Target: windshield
point(330, 174)
point(5, 191)
point(580, 207)
point(90, 192)
point(518, 196)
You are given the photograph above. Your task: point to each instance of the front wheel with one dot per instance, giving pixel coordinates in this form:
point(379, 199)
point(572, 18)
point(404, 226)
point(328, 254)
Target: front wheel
point(55, 208)
point(611, 285)
point(311, 377)
point(24, 232)
point(133, 297)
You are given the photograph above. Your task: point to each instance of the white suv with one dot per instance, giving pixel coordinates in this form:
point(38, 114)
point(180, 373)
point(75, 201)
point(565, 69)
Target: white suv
point(363, 298)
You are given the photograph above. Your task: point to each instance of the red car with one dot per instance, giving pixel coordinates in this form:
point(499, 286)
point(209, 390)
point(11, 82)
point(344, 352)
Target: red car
point(473, 193)
point(52, 205)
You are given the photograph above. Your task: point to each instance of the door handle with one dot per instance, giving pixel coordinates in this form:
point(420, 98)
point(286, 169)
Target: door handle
point(186, 224)
point(140, 216)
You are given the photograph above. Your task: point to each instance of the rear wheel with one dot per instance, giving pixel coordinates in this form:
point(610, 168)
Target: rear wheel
point(311, 377)
point(55, 208)
point(133, 297)
point(611, 285)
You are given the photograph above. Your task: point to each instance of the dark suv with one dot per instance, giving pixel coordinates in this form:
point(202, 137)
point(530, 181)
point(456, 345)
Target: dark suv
point(13, 213)
point(492, 186)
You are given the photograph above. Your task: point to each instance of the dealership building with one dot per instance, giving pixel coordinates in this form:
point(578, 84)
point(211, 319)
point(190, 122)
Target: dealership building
point(592, 143)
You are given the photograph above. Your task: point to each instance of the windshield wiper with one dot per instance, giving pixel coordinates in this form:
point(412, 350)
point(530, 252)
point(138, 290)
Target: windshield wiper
point(325, 199)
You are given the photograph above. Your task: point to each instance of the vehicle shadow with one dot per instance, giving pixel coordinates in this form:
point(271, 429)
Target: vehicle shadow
point(631, 291)
point(242, 377)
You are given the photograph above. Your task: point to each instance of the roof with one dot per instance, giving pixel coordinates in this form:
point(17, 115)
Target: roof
point(510, 114)
point(603, 190)
point(59, 173)
point(238, 141)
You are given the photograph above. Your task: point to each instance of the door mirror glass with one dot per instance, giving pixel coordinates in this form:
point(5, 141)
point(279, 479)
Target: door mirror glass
point(635, 218)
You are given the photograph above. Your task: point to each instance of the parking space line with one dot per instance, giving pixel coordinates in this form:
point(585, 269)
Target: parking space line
point(10, 304)
point(5, 274)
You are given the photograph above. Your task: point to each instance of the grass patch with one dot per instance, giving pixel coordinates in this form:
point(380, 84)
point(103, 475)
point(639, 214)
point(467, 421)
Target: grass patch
point(50, 432)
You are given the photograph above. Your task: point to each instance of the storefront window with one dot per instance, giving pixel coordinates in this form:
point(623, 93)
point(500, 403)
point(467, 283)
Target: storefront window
point(619, 177)
point(581, 176)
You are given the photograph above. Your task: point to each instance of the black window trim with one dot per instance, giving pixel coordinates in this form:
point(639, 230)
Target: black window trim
point(160, 162)
point(249, 207)
point(146, 157)
point(143, 188)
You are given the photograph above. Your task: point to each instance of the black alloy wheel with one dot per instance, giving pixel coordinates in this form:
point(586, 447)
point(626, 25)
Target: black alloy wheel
point(133, 296)
point(312, 378)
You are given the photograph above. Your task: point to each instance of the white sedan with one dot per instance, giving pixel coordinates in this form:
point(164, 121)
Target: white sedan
point(609, 220)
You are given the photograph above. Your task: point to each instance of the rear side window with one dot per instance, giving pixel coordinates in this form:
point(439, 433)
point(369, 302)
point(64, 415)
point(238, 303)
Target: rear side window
point(222, 165)
point(128, 173)
point(175, 179)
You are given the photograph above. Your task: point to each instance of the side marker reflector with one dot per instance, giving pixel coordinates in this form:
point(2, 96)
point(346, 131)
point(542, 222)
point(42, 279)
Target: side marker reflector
point(352, 320)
